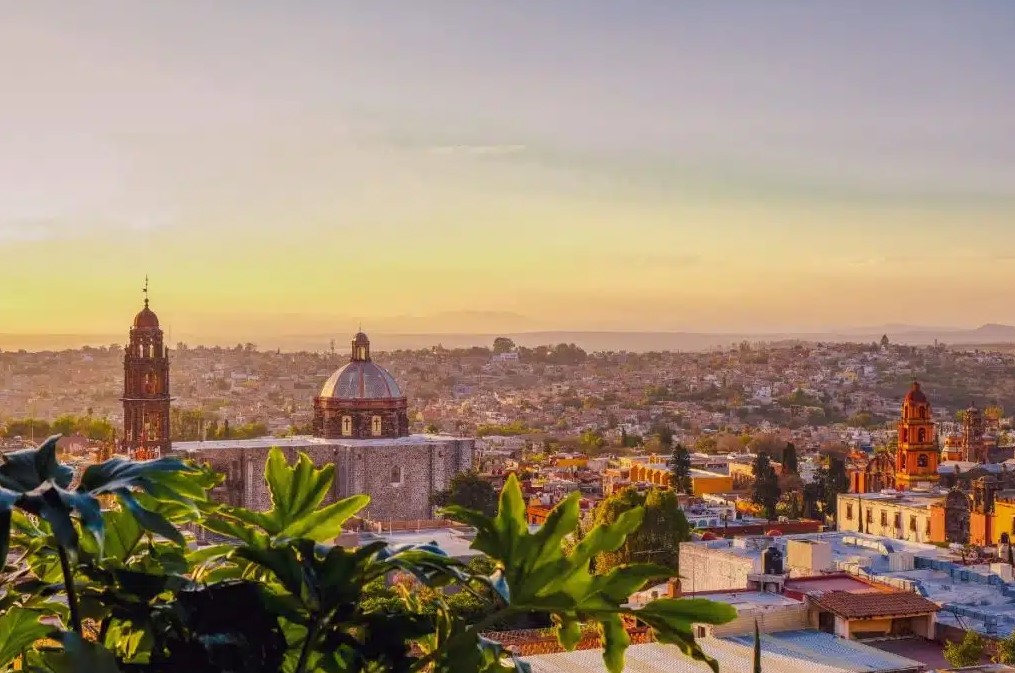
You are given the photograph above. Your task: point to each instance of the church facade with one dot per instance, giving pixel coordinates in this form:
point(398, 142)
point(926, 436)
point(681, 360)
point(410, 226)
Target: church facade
point(361, 426)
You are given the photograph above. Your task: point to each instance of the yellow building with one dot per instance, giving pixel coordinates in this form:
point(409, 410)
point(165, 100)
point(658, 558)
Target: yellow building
point(703, 482)
point(1004, 516)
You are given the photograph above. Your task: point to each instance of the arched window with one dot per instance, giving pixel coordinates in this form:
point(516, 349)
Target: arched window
point(375, 426)
point(904, 435)
point(151, 383)
point(346, 426)
point(921, 435)
point(921, 460)
point(396, 475)
point(923, 412)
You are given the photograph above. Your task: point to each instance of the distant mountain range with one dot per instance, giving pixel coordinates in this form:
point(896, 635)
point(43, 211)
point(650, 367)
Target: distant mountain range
point(589, 340)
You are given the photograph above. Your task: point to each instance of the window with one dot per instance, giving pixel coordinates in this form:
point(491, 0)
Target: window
point(912, 522)
point(849, 511)
point(346, 426)
point(923, 412)
point(396, 475)
point(870, 516)
point(904, 435)
point(898, 521)
point(884, 518)
point(375, 426)
point(926, 528)
point(921, 460)
point(921, 435)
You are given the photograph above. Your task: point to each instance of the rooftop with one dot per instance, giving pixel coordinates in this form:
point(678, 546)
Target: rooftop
point(785, 652)
point(877, 604)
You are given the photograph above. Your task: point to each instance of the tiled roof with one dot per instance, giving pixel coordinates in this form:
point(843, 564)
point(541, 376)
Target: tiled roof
point(859, 606)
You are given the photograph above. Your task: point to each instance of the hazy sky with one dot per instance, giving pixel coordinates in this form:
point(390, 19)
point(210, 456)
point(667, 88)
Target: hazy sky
point(293, 167)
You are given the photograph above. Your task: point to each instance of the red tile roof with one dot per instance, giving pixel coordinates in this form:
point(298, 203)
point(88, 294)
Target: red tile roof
point(864, 605)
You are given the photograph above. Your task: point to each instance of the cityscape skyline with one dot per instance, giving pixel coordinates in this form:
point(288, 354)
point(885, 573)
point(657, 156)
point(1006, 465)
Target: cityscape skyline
point(300, 169)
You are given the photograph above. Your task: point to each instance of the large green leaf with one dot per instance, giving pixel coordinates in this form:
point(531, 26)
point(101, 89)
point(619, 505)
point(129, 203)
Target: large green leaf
point(148, 519)
point(672, 620)
point(296, 491)
point(541, 577)
point(81, 656)
point(28, 469)
point(19, 629)
point(7, 500)
point(326, 523)
point(118, 472)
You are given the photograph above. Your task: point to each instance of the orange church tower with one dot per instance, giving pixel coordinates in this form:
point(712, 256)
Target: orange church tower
point(917, 458)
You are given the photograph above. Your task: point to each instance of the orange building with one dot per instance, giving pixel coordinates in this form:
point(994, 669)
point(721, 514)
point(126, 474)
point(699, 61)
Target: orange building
point(917, 457)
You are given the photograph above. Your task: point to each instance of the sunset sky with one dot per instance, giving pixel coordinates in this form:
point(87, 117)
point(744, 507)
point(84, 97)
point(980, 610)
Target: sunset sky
point(298, 167)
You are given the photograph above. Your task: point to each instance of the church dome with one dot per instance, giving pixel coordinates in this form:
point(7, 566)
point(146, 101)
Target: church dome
point(361, 380)
point(915, 394)
point(146, 318)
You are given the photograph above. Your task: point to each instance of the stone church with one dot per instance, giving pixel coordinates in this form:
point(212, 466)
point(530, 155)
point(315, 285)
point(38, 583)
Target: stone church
point(360, 424)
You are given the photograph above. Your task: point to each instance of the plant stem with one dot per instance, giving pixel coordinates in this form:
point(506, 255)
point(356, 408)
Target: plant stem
point(308, 643)
point(72, 594)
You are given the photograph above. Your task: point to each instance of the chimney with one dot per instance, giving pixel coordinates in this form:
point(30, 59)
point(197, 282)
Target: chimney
point(673, 587)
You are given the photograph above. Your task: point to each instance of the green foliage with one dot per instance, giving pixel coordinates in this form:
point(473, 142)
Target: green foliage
point(789, 459)
point(280, 597)
point(503, 429)
point(592, 441)
point(535, 574)
point(765, 490)
point(469, 490)
point(967, 653)
point(87, 426)
point(656, 541)
point(1005, 653)
point(503, 345)
point(681, 460)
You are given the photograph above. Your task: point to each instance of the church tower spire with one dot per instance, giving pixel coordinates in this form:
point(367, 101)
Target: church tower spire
point(146, 397)
point(917, 457)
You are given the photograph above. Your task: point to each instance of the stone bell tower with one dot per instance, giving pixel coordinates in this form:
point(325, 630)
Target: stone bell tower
point(146, 397)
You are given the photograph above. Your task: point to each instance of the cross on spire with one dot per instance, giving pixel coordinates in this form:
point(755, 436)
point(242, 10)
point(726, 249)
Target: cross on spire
point(145, 290)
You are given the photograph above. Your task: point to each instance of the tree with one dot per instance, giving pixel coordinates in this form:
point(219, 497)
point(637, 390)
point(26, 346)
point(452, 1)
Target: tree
point(1005, 653)
point(115, 590)
point(967, 653)
point(432, 428)
point(470, 490)
point(503, 345)
point(681, 460)
point(833, 481)
point(657, 541)
point(765, 490)
point(789, 462)
point(664, 434)
point(592, 441)
point(705, 444)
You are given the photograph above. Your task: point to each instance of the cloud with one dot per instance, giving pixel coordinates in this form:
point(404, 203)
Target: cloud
point(37, 230)
point(476, 150)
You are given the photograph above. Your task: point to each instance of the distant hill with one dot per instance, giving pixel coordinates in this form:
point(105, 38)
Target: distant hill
point(589, 340)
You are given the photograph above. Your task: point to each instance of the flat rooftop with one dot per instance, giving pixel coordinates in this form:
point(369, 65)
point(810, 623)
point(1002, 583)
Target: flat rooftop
point(785, 652)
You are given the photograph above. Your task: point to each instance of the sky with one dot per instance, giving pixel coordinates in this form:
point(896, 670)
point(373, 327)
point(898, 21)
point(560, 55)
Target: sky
point(443, 166)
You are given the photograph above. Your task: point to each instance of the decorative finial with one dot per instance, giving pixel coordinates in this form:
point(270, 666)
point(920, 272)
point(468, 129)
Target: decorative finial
point(145, 290)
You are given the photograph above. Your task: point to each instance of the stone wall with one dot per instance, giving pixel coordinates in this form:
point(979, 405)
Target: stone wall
point(399, 475)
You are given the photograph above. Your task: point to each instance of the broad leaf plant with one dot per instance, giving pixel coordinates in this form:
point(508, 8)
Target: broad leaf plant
point(105, 576)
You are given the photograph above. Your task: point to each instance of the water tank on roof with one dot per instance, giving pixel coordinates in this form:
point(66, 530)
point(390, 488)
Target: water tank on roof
point(772, 561)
